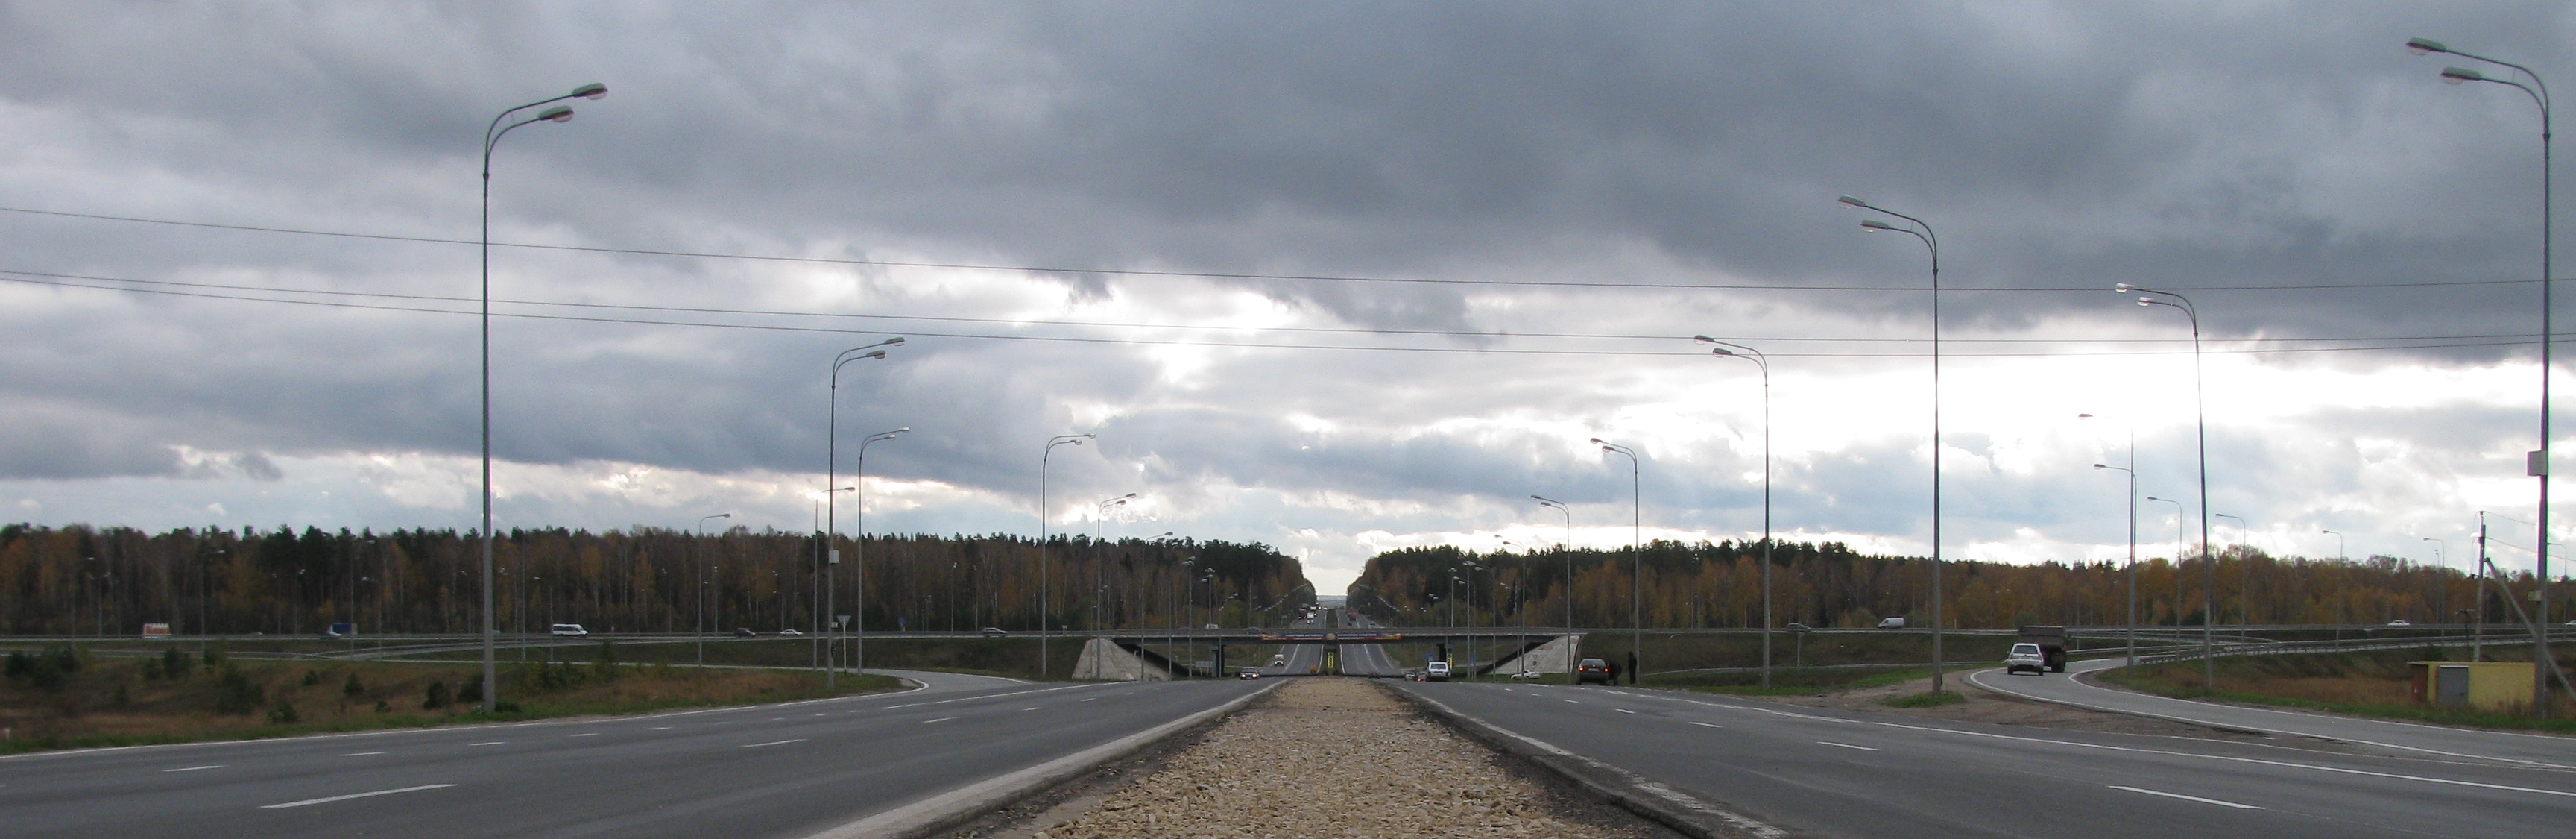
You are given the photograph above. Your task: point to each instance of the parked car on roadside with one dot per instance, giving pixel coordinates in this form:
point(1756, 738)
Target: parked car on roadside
point(1591, 671)
point(568, 630)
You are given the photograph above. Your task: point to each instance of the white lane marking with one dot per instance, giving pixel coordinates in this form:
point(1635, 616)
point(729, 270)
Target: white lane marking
point(659, 728)
point(941, 719)
point(1087, 700)
point(775, 719)
point(488, 743)
point(1708, 724)
point(1623, 710)
point(1848, 746)
point(1572, 702)
point(1030, 709)
point(361, 754)
point(993, 696)
point(775, 743)
point(312, 801)
point(818, 715)
point(584, 734)
point(194, 768)
point(2189, 797)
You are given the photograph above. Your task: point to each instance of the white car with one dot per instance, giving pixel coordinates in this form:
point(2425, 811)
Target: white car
point(2025, 657)
point(1437, 671)
point(1891, 623)
point(568, 630)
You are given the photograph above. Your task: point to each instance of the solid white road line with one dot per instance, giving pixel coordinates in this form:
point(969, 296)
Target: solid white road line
point(488, 743)
point(361, 754)
point(664, 728)
point(1623, 710)
point(194, 768)
point(774, 743)
point(1708, 724)
point(312, 801)
point(1849, 746)
point(941, 719)
point(584, 734)
point(2189, 797)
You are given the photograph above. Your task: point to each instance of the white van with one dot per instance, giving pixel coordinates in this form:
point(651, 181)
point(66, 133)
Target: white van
point(1437, 671)
point(1891, 623)
point(568, 630)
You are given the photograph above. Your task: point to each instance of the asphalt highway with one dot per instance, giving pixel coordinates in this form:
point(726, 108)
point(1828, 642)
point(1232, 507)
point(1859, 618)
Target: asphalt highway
point(1852, 774)
point(776, 770)
point(2541, 750)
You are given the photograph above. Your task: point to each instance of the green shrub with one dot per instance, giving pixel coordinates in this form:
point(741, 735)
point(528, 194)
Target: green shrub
point(175, 664)
point(437, 697)
point(214, 656)
point(473, 691)
point(284, 714)
point(234, 693)
point(312, 678)
point(603, 664)
point(352, 687)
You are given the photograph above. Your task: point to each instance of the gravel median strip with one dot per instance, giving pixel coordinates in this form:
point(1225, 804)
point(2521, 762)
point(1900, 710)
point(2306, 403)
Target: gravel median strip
point(1339, 757)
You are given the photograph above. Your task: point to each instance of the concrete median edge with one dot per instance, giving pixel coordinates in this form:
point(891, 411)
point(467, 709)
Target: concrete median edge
point(965, 804)
point(1632, 792)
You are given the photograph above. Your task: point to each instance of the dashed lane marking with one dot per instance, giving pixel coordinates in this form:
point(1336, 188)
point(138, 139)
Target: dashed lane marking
point(194, 768)
point(2188, 797)
point(1707, 724)
point(1623, 710)
point(941, 719)
point(312, 801)
point(487, 743)
point(1849, 746)
point(774, 743)
point(361, 754)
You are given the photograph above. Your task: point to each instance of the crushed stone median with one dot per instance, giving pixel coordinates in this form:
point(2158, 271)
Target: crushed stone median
point(1334, 757)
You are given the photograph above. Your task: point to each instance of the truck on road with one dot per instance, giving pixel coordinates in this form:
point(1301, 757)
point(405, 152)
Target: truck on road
point(2052, 645)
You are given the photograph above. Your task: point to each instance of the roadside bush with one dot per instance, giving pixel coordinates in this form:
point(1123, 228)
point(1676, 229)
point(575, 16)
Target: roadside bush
point(65, 658)
point(473, 691)
point(603, 664)
point(214, 656)
point(352, 687)
point(312, 678)
point(437, 697)
point(234, 693)
point(42, 671)
point(548, 677)
point(284, 714)
point(19, 664)
point(175, 664)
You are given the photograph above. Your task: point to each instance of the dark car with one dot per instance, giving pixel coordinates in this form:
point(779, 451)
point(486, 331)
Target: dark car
point(1591, 670)
point(745, 632)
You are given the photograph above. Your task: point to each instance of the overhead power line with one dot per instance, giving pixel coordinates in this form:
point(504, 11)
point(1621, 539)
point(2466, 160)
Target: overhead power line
point(1226, 275)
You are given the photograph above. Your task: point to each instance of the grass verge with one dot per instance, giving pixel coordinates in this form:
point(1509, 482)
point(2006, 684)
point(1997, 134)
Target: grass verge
point(2374, 684)
point(1925, 700)
point(81, 701)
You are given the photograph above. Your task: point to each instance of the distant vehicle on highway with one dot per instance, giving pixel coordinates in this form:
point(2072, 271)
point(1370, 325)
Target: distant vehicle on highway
point(2400, 623)
point(1247, 673)
point(994, 632)
point(1591, 670)
point(2025, 656)
point(340, 630)
point(791, 633)
point(2051, 641)
point(1891, 623)
point(1437, 671)
point(745, 632)
point(568, 630)
point(1524, 675)
point(1795, 626)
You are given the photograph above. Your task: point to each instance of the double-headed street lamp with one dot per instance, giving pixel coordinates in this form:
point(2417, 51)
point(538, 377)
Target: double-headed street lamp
point(831, 475)
point(1636, 556)
point(491, 137)
point(1567, 549)
point(856, 627)
point(2539, 465)
point(1043, 458)
point(2149, 297)
point(1734, 350)
point(1923, 230)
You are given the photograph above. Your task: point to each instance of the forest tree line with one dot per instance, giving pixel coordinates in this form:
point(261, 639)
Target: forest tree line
point(81, 580)
point(1718, 585)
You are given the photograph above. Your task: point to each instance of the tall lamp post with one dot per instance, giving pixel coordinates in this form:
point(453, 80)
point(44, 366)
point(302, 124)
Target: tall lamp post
point(2149, 297)
point(1099, 571)
point(2442, 560)
point(2539, 462)
point(831, 475)
point(857, 627)
point(1923, 231)
point(2182, 539)
point(701, 528)
point(1567, 549)
point(1043, 458)
point(2132, 471)
point(1733, 350)
point(2244, 575)
point(491, 137)
point(1636, 556)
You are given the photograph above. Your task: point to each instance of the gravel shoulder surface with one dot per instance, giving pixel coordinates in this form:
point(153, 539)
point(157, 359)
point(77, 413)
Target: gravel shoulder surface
point(1326, 757)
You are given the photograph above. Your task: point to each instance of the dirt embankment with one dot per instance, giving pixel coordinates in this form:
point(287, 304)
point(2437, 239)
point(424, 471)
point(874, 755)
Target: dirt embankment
point(1334, 757)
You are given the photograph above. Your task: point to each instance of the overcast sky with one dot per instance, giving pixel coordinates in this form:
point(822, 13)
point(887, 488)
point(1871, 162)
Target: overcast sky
point(1334, 277)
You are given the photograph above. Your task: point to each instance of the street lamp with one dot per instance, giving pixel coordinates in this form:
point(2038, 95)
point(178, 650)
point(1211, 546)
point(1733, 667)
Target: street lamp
point(1099, 572)
point(1567, 549)
point(1922, 230)
point(2181, 540)
point(858, 629)
point(2132, 470)
point(2539, 462)
point(492, 136)
point(2244, 574)
point(1636, 556)
point(1043, 458)
point(831, 474)
point(1732, 350)
point(2441, 560)
point(2149, 297)
point(701, 528)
